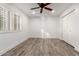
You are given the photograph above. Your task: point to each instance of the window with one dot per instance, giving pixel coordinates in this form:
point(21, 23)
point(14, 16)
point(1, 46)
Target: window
point(9, 21)
point(1, 19)
point(16, 22)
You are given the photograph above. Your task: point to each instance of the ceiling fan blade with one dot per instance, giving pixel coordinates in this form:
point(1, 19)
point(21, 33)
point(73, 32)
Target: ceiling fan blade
point(46, 4)
point(48, 8)
point(35, 8)
point(41, 10)
point(39, 4)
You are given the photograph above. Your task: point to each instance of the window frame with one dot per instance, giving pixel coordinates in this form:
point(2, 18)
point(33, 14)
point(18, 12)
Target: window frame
point(8, 20)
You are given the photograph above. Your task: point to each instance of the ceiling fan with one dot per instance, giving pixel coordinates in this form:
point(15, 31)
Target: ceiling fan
point(42, 6)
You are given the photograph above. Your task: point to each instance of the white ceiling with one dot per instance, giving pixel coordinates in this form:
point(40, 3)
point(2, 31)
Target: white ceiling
point(57, 7)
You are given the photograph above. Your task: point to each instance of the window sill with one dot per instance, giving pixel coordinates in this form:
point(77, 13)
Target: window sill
point(2, 32)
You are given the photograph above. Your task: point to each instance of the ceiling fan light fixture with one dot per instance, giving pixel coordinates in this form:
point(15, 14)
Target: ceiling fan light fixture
point(33, 12)
point(53, 11)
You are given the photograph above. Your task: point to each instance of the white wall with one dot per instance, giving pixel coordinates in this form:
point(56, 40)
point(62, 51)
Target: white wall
point(10, 39)
point(48, 23)
point(70, 27)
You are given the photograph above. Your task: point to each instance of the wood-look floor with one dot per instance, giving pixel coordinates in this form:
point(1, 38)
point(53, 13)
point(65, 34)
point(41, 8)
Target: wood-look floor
point(42, 47)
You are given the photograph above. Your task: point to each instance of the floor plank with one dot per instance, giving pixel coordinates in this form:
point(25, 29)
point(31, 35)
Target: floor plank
point(42, 47)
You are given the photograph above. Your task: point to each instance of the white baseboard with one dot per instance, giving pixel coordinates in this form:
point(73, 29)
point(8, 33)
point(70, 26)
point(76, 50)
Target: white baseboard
point(43, 37)
point(10, 47)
